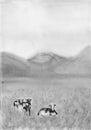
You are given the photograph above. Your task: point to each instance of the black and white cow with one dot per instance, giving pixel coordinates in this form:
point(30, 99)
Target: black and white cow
point(22, 104)
point(48, 111)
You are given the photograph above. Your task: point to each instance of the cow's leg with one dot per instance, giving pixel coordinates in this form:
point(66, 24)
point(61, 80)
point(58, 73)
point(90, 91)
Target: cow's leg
point(20, 108)
point(25, 110)
point(29, 111)
point(14, 108)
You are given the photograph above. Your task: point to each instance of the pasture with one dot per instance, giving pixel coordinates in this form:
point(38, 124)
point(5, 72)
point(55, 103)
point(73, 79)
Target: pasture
point(72, 97)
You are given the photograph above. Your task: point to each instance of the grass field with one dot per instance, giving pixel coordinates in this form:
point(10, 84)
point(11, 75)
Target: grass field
point(72, 97)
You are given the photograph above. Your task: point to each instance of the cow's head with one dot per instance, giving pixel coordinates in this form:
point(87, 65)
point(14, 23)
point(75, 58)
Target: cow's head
point(29, 100)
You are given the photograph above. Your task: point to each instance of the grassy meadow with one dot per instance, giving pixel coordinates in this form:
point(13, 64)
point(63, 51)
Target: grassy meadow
point(72, 97)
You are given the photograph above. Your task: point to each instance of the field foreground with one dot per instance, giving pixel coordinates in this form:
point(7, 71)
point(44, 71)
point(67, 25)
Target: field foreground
point(72, 97)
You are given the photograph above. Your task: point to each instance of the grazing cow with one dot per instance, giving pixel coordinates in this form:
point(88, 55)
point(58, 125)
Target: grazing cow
point(23, 104)
point(49, 111)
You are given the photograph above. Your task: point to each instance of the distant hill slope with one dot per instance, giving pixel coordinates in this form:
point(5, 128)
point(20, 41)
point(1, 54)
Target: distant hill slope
point(46, 64)
point(14, 66)
point(81, 64)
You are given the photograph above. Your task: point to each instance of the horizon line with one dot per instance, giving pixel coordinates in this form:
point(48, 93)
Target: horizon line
point(46, 52)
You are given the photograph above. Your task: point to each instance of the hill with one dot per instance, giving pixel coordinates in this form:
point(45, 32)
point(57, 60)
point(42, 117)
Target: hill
point(46, 64)
point(14, 66)
point(81, 64)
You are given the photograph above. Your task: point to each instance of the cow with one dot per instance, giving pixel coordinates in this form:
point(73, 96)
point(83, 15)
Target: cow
point(47, 111)
point(23, 104)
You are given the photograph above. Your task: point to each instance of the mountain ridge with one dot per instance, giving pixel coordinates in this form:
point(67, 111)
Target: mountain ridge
point(45, 57)
point(45, 64)
point(85, 53)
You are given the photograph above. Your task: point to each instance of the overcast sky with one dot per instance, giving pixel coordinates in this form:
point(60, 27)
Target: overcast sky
point(33, 26)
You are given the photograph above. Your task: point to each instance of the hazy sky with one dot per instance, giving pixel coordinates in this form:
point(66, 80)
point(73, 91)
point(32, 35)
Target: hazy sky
point(31, 26)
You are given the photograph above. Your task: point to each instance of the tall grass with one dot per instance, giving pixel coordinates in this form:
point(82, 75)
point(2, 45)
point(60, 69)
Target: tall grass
point(74, 113)
point(49, 129)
